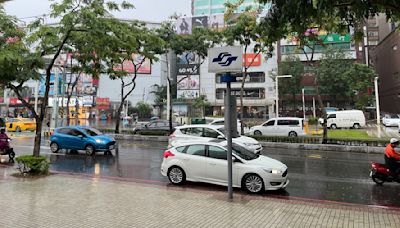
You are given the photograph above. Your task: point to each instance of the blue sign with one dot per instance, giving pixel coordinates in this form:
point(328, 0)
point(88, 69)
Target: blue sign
point(42, 86)
point(225, 59)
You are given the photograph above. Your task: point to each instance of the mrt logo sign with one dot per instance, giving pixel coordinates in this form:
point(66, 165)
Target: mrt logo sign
point(225, 59)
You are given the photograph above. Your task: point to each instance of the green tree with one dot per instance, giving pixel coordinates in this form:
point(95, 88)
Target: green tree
point(291, 66)
point(360, 78)
point(50, 41)
point(246, 31)
point(144, 109)
point(201, 103)
point(129, 42)
point(331, 75)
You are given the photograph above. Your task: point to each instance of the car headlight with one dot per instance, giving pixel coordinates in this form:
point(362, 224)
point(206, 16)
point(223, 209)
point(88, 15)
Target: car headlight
point(273, 171)
point(99, 141)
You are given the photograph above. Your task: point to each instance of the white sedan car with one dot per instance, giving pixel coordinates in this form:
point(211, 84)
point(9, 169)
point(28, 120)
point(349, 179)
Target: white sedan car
point(207, 162)
point(209, 133)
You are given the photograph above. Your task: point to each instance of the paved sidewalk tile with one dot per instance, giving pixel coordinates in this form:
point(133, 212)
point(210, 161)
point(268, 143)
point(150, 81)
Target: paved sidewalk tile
point(69, 201)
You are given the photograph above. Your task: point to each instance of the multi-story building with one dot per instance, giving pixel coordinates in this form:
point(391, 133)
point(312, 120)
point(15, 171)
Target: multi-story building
point(210, 7)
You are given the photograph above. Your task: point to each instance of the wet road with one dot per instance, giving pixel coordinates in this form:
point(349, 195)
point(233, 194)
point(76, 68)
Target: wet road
point(320, 175)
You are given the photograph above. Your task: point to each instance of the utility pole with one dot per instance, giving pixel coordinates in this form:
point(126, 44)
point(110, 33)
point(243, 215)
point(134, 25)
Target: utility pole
point(378, 112)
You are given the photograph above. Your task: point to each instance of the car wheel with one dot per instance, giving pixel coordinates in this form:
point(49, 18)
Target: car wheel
point(176, 175)
point(292, 134)
point(107, 152)
point(54, 147)
point(89, 149)
point(356, 126)
point(257, 133)
point(18, 129)
point(333, 126)
point(253, 183)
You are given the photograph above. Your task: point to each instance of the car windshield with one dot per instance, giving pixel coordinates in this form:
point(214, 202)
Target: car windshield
point(244, 153)
point(92, 131)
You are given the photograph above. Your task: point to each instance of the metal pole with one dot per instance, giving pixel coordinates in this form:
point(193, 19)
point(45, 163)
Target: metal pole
point(304, 104)
point(276, 98)
point(229, 137)
point(313, 104)
point(366, 45)
point(378, 112)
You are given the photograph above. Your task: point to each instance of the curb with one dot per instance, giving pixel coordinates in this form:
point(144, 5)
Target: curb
point(323, 147)
point(326, 147)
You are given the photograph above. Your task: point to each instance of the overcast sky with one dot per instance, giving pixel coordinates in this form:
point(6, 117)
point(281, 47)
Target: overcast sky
point(147, 10)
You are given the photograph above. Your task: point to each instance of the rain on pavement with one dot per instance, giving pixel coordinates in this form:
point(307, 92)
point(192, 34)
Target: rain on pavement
point(318, 175)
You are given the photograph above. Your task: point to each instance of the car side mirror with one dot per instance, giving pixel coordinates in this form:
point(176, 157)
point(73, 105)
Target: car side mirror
point(234, 159)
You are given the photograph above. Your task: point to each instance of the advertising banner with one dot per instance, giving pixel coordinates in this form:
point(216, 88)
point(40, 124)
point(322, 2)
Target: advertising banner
point(42, 86)
point(144, 67)
point(103, 103)
point(200, 22)
point(188, 82)
point(84, 85)
point(216, 22)
point(187, 94)
point(188, 69)
point(184, 25)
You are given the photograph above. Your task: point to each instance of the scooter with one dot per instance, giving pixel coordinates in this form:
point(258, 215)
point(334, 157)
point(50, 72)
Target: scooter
point(6, 149)
point(380, 174)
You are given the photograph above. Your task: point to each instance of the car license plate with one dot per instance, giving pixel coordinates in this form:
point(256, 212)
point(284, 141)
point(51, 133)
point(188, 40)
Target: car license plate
point(111, 147)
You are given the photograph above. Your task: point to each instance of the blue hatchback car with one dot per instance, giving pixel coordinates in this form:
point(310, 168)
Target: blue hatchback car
point(81, 138)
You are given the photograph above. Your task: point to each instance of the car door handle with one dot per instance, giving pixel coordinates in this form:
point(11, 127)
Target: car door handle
point(212, 163)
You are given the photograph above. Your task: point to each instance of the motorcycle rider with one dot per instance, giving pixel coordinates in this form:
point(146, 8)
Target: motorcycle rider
point(392, 158)
point(3, 139)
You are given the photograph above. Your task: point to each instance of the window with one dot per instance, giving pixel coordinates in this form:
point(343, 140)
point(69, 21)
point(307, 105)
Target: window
point(217, 152)
point(196, 150)
point(270, 123)
point(330, 116)
point(64, 131)
point(92, 131)
point(210, 133)
point(288, 122)
point(181, 149)
point(221, 122)
point(74, 132)
point(195, 131)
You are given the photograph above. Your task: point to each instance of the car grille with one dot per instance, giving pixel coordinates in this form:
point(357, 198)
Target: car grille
point(284, 174)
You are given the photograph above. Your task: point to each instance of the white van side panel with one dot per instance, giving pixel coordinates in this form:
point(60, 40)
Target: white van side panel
point(346, 119)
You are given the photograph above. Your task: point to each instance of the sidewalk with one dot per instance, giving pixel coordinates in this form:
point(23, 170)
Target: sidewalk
point(63, 200)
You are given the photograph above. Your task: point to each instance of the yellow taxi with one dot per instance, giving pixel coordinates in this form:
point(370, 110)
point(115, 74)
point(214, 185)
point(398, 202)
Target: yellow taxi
point(21, 124)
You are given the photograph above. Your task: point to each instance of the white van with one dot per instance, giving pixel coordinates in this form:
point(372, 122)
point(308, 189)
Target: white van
point(282, 126)
point(347, 119)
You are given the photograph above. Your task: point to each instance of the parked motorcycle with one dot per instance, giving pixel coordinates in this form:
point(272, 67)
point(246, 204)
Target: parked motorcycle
point(6, 149)
point(380, 174)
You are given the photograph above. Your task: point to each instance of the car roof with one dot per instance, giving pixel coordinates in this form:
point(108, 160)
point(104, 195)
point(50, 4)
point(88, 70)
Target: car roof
point(286, 118)
point(75, 127)
point(199, 142)
point(200, 125)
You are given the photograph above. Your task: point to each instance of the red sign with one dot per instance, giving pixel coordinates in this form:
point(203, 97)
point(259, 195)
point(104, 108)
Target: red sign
point(143, 65)
point(251, 59)
point(16, 101)
point(103, 103)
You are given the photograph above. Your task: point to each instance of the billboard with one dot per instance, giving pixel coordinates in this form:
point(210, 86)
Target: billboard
point(42, 85)
point(84, 86)
point(200, 22)
point(188, 82)
point(184, 25)
point(216, 22)
point(187, 94)
point(188, 69)
point(144, 66)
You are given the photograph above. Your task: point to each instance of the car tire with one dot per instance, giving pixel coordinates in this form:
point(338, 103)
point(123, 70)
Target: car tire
point(379, 181)
point(89, 150)
point(17, 129)
point(54, 147)
point(292, 134)
point(356, 126)
point(176, 175)
point(333, 126)
point(258, 133)
point(253, 183)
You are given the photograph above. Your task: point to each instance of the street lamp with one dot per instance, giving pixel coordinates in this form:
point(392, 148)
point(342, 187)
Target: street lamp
point(378, 112)
point(276, 92)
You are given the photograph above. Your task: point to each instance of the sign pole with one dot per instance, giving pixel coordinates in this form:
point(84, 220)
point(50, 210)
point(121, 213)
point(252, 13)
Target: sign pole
point(228, 116)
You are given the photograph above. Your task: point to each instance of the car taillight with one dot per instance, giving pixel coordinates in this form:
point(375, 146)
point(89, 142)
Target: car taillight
point(168, 154)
